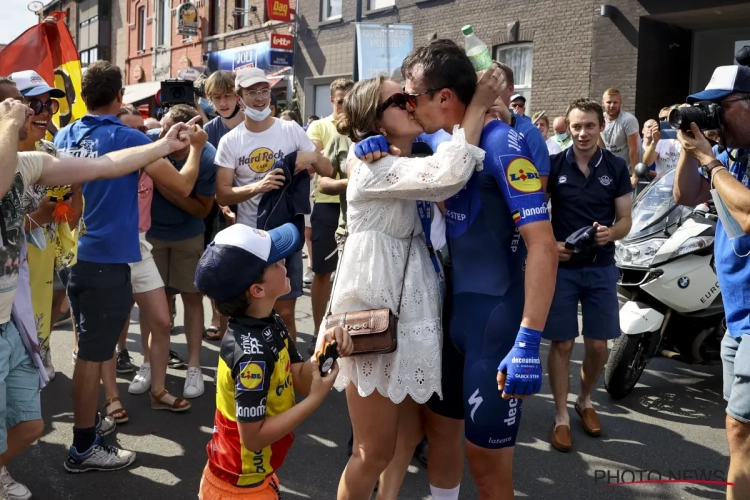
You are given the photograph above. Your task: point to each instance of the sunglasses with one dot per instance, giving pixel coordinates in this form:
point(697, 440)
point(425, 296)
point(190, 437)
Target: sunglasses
point(517, 105)
point(37, 106)
point(400, 100)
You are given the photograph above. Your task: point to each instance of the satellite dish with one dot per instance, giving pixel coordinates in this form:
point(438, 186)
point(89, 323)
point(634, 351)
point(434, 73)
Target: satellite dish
point(36, 7)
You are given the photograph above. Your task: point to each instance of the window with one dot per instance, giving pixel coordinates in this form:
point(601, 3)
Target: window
point(165, 14)
point(380, 4)
point(520, 58)
point(323, 106)
point(213, 16)
point(89, 56)
point(67, 17)
point(84, 58)
point(142, 28)
point(331, 9)
point(241, 12)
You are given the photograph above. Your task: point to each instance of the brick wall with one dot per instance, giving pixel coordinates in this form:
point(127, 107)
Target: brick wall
point(561, 33)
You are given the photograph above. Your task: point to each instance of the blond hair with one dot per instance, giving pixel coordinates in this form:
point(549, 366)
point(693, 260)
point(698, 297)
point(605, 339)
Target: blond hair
point(538, 117)
point(611, 92)
point(360, 116)
point(344, 84)
point(220, 83)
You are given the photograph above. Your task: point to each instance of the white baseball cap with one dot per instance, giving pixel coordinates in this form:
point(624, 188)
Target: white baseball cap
point(32, 85)
point(247, 77)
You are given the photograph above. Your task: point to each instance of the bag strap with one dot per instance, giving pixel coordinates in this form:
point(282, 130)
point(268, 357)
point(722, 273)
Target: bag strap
point(403, 281)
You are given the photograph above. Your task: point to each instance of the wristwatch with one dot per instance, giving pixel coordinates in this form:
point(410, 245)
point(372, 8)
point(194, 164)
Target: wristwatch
point(708, 168)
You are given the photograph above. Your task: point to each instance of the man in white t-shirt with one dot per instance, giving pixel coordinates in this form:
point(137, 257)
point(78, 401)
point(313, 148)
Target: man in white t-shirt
point(542, 123)
point(663, 152)
point(245, 157)
point(620, 135)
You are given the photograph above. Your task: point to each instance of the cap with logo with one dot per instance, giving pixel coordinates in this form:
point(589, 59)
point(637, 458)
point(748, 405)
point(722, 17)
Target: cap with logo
point(239, 255)
point(726, 80)
point(32, 85)
point(517, 97)
point(247, 77)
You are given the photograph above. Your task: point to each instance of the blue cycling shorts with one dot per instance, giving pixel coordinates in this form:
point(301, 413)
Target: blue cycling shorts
point(483, 328)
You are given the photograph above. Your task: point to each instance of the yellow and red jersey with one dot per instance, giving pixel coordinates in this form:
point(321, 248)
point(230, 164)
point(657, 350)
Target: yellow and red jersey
point(253, 381)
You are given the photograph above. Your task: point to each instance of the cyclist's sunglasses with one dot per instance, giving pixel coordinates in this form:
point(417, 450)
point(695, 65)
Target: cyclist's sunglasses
point(37, 106)
point(401, 100)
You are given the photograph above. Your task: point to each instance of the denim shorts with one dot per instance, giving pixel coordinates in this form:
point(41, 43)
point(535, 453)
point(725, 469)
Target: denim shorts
point(19, 383)
point(596, 289)
point(735, 359)
point(100, 296)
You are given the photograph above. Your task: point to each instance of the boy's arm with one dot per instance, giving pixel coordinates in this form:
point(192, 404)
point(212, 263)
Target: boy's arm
point(258, 435)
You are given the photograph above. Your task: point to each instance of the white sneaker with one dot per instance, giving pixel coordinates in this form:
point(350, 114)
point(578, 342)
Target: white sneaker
point(47, 362)
point(142, 380)
point(193, 383)
point(100, 457)
point(14, 490)
point(308, 276)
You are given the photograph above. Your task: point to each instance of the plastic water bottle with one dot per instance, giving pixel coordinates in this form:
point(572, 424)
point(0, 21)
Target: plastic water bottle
point(476, 49)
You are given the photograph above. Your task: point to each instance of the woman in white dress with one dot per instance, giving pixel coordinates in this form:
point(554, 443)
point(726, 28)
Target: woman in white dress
point(384, 391)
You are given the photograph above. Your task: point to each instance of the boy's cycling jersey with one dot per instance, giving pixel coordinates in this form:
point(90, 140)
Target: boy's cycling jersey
point(253, 381)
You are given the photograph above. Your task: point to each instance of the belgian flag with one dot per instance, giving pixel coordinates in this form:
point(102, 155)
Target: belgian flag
point(48, 49)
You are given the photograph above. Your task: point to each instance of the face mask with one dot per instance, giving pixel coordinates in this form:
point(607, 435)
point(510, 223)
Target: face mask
point(561, 137)
point(206, 105)
point(256, 115)
point(37, 238)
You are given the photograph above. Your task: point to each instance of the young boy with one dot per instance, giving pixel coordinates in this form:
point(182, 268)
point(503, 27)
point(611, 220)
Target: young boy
point(259, 367)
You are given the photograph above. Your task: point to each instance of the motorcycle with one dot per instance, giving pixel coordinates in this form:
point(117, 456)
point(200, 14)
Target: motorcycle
point(667, 276)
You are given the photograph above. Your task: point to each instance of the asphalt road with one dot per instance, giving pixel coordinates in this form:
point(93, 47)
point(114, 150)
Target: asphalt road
point(673, 423)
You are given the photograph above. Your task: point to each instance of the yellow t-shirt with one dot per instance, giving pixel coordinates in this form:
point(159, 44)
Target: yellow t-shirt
point(322, 130)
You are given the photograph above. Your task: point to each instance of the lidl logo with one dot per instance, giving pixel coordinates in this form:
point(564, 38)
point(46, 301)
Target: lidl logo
point(523, 176)
point(251, 376)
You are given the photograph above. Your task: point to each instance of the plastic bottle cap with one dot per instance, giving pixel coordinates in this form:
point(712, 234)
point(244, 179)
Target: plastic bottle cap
point(467, 30)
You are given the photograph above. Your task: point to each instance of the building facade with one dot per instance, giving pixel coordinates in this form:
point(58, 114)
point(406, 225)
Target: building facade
point(654, 51)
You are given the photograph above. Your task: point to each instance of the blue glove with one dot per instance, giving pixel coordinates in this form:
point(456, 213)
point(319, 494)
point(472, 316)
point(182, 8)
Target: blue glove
point(522, 365)
point(371, 145)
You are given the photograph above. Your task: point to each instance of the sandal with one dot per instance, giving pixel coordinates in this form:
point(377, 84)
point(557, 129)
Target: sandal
point(212, 333)
point(179, 404)
point(120, 414)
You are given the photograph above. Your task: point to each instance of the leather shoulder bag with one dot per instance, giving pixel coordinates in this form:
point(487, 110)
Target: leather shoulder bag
point(373, 331)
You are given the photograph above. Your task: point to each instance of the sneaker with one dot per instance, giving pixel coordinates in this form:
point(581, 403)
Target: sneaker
point(193, 383)
point(14, 490)
point(105, 425)
point(308, 277)
point(100, 456)
point(124, 362)
point(48, 367)
point(175, 361)
point(75, 357)
point(142, 380)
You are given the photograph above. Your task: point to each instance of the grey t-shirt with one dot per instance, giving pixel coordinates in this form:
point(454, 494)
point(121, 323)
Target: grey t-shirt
point(616, 132)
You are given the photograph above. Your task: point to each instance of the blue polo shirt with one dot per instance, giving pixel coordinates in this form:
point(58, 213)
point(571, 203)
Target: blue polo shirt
point(535, 141)
point(578, 201)
point(732, 262)
point(111, 214)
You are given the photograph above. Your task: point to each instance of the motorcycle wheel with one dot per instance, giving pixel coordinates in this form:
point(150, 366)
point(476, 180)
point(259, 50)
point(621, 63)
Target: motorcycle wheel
point(627, 360)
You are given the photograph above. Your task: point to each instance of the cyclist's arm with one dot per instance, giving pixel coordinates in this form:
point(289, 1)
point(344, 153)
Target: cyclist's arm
point(541, 273)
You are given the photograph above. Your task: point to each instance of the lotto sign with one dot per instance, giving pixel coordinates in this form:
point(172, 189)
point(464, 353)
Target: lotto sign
point(281, 42)
point(279, 10)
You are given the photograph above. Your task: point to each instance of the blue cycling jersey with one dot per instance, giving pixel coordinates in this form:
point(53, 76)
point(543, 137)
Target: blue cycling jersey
point(482, 220)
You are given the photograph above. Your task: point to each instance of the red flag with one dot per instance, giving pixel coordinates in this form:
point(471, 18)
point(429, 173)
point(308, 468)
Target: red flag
point(48, 49)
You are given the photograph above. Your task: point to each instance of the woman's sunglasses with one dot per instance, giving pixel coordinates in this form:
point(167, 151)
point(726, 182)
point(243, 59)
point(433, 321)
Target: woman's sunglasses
point(400, 100)
point(37, 106)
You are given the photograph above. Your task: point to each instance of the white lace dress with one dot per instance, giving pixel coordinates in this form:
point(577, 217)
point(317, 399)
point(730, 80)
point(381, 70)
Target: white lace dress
point(381, 219)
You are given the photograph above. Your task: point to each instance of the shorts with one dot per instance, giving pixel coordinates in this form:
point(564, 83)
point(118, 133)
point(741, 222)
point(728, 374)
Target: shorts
point(735, 359)
point(325, 222)
point(484, 329)
point(144, 275)
point(101, 297)
point(177, 261)
point(596, 289)
point(213, 488)
point(294, 273)
point(19, 383)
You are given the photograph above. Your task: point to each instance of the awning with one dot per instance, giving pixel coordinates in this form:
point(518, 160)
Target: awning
point(275, 82)
point(140, 91)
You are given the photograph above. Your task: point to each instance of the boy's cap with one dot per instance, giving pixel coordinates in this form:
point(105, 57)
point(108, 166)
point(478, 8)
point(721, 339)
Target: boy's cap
point(239, 255)
point(247, 77)
point(30, 84)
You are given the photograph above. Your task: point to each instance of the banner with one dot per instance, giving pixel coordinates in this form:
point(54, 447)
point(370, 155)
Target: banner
point(279, 10)
point(187, 20)
point(258, 55)
point(381, 48)
point(48, 49)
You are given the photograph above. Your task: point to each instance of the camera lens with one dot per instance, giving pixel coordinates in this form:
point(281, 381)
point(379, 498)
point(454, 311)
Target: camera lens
point(705, 116)
point(177, 93)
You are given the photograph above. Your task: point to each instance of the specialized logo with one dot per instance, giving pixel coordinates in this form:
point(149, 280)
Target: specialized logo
point(562, 179)
point(261, 160)
point(605, 180)
point(475, 400)
point(251, 376)
point(523, 176)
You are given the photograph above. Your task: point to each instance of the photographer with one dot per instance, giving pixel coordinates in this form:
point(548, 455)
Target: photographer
point(728, 106)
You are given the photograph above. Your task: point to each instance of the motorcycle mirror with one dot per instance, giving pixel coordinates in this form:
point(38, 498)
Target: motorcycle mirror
point(642, 171)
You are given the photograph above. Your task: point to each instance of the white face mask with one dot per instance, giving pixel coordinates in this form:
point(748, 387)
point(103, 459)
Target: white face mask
point(37, 238)
point(256, 115)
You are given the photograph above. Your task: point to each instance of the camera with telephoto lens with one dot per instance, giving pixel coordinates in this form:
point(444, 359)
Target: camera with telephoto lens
point(177, 92)
point(706, 115)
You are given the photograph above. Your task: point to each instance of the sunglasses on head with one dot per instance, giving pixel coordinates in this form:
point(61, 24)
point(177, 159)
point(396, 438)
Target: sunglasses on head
point(400, 100)
point(37, 106)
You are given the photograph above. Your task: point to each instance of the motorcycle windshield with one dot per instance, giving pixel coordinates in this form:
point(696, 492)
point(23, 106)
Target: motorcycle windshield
point(655, 209)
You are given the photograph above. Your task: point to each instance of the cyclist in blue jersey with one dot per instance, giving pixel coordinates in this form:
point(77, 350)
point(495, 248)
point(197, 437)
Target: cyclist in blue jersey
point(496, 321)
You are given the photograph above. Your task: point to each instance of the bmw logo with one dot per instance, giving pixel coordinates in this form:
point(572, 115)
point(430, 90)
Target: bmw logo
point(683, 282)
